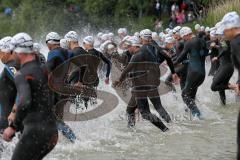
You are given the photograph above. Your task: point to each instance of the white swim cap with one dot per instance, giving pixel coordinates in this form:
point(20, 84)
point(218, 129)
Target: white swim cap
point(185, 31)
point(146, 34)
point(6, 45)
point(23, 43)
point(71, 36)
point(89, 40)
point(53, 38)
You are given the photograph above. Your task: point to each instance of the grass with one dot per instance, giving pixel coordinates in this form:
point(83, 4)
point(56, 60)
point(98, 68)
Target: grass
point(216, 12)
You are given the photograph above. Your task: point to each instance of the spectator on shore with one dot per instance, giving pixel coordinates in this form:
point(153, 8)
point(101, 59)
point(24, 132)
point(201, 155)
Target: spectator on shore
point(184, 6)
point(158, 9)
point(8, 11)
point(158, 25)
point(174, 8)
point(190, 16)
point(180, 17)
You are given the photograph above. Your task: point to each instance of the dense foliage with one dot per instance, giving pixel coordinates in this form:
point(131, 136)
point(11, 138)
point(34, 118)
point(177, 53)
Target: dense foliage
point(43, 15)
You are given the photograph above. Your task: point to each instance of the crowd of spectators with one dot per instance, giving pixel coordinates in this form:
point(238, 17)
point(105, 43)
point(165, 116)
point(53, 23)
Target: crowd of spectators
point(180, 12)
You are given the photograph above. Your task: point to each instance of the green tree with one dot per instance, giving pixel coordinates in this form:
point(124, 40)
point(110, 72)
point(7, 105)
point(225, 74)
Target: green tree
point(141, 5)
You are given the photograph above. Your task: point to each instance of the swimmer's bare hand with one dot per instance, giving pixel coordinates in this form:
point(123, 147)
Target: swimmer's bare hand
point(213, 45)
point(80, 86)
point(238, 89)
point(215, 59)
point(175, 78)
point(8, 134)
point(235, 87)
point(107, 81)
point(11, 117)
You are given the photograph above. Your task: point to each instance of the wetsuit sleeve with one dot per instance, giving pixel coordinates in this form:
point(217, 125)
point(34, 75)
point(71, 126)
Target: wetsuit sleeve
point(169, 62)
point(23, 101)
point(182, 56)
point(52, 63)
point(119, 58)
point(108, 62)
point(70, 54)
point(55, 58)
point(222, 53)
point(125, 72)
point(128, 69)
point(236, 57)
point(223, 49)
point(179, 48)
point(238, 82)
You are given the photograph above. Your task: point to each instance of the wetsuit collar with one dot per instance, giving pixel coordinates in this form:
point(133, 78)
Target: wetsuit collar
point(28, 63)
point(56, 48)
point(11, 61)
point(238, 35)
point(75, 48)
point(91, 49)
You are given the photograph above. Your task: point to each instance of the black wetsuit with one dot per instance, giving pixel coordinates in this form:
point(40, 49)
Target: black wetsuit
point(145, 75)
point(41, 59)
point(75, 74)
point(56, 58)
point(173, 55)
point(161, 57)
point(7, 92)
point(223, 75)
point(201, 35)
point(88, 62)
point(58, 66)
point(181, 70)
point(214, 53)
point(86, 72)
point(104, 66)
point(92, 62)
point(35, 112)
point(197, 51)
point(207, 37)
point(235, 48)
point(124, 59)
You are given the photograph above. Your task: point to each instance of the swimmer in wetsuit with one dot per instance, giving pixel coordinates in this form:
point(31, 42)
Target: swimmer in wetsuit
point(34, 106)
point(9, 65)
point(224, 73)
point(196, 49)
point(57, 58)
point(145, 60)
point(124, 59)
point(181, 69)
point(230, 25)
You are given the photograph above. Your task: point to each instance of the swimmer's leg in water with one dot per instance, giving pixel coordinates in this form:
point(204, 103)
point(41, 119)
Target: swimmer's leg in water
point(36, 142)
point(156, 101)
point(66, 130)
point(194, 80)
point(143, 107)
point(131, 108)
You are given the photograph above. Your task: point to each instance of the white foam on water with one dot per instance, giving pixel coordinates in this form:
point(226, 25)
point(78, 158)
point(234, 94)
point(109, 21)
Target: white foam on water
point(109, 134)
